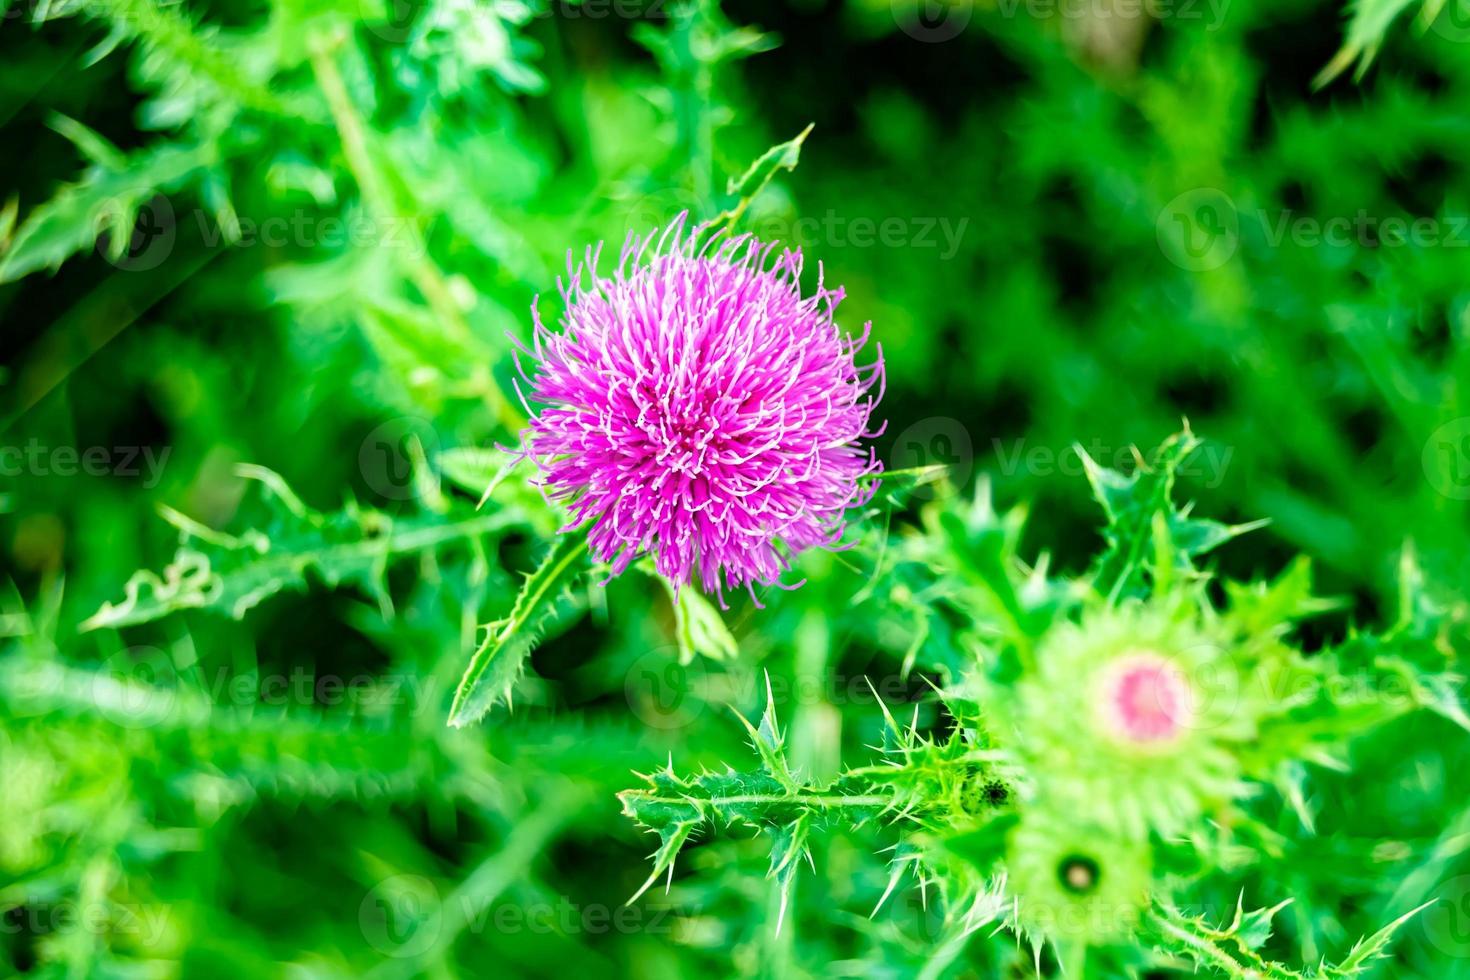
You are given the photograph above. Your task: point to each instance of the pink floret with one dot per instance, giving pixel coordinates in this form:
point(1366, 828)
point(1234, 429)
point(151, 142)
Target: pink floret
point(696, 407)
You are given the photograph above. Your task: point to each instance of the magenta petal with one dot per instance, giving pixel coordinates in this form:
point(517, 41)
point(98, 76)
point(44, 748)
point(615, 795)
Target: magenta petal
point(694, 405)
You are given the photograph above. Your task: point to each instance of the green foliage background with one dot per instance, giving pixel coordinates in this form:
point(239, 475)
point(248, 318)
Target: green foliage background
point(268, 786)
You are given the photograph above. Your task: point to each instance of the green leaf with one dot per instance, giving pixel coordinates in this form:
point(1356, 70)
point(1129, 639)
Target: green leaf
point(671, 840)
point(105, 200)
point(984, 847)
point(743, 189)
point(787, 852)
point(231, 574)
point(770, 743)
point(1262, 608)
point(478, 471)
point(1146, 533)
point(698, 626)
point(1370, 23)
point(499, 661)
point(1232, 950)
point(1372, 948)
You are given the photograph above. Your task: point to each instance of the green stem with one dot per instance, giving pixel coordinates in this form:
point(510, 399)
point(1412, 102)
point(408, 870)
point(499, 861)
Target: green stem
point(426, 276)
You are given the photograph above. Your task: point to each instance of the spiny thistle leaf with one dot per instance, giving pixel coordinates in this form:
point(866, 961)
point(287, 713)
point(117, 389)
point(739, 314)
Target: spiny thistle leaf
point(975, 548)
point(106, 201)
point(1134, 726)
point(231, 574)
point(1371, 948)
point(921, 785)
point(497, 663)
point(1134, 504)
point(1370, 23)
point(787, 852)
point(1272, 606)
point(743, 189)
point(782, 156)
point(672, 838)
point(1232, 950)
point(179, 51)
point(769, 743)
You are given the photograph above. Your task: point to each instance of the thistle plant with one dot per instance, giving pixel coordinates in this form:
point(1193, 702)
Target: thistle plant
point(1107, 739)
point(344, 689)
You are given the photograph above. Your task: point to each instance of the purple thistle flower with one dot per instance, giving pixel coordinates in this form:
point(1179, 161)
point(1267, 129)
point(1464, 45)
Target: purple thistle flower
point(697, 407)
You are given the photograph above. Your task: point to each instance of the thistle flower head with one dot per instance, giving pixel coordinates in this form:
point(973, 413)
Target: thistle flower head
point(1073, 881)
point(1134, 715)
point(697, 407)
point(1144, 698)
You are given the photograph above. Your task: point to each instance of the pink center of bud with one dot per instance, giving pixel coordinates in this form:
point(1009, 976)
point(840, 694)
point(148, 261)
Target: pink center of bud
point(1146, 699)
